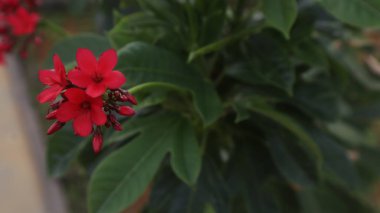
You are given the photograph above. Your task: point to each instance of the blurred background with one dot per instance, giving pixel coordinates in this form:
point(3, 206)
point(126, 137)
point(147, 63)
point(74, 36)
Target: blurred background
point(25, 185)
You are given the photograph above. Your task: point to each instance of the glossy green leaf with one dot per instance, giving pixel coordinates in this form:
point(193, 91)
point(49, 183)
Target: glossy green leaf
point(123, 176)
point(145, 63)
point(186, 156)
point(281, 14)
point(362, 13)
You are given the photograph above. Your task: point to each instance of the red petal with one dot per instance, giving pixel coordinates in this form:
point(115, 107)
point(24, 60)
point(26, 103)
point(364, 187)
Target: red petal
point(49, 94)
point(80, 78)
point(97, 101)
point(98, 116)
point(76, 95)
point(59, 69)
point(107, 61)
point(47, 77)
point(68, 111)
point(95, 90)
point(86, 61)
point(114, 80)
point(82, 124)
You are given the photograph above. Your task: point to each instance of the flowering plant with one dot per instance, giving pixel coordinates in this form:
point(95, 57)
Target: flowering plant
point(83, 95)
point(243, 106)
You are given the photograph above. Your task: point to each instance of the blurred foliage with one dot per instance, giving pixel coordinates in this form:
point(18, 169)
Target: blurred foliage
point(244, 106)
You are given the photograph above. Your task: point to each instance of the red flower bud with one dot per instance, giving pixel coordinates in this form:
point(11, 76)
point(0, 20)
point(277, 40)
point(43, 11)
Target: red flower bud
point(97, 141)
point(115, 124)
point(51, 115)
point(126, 111)
point(131, 99)
point(123, 98)
point(55, 127)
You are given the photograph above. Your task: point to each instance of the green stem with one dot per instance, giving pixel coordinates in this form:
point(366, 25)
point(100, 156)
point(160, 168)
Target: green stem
point(149, 85)
point(221, 43)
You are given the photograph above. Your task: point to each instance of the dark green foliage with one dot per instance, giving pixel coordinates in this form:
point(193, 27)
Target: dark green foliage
point(245, 106)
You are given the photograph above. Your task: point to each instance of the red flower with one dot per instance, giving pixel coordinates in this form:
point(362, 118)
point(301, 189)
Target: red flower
point(33, 3)
point(84, 109)
point(55, 79)
point(96, 76)
point(23, 22)
point(9, 5)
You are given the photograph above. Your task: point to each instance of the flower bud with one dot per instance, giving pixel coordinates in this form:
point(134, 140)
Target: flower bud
point(55, 127)
point(115, 124)
point(126, 111)
point(97, 141)
point(51, 115)
point(131, 99)
point(123, 98)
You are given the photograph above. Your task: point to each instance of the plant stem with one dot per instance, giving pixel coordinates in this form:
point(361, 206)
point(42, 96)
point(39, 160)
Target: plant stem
point(221, 43)
point(149, 85)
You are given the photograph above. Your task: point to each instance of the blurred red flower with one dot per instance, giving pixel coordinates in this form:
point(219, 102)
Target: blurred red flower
point(23, 22)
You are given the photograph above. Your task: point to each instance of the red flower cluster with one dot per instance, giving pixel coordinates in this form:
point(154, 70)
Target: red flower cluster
point(16, 19)
point(90, 95)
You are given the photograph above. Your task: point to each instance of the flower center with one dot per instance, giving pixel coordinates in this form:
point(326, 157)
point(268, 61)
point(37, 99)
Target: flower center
point(85, 105)
point(97, 78)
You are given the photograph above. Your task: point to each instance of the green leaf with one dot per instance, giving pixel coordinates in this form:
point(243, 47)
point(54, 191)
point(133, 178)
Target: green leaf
point(213, 14)
point(292, 162)
point(123, 176)
point(186, 155)
point(67, 48)
point(145, 63)
point(62, 149)
point(281, 14)
point(210, 190)
point(250, 170)
point(137, 27)
point(311, 53)
point(332, 197)
point(241, 113)
point(269, 66)
point(336, 160)
point(319, 98)
point(288, 123)
point(362, 13)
